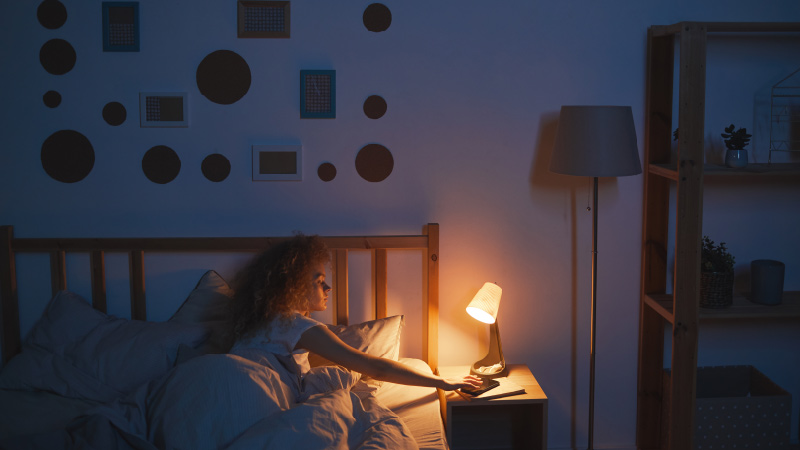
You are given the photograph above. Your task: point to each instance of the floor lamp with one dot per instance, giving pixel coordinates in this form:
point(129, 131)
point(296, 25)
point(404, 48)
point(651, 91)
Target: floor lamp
point(595, 141)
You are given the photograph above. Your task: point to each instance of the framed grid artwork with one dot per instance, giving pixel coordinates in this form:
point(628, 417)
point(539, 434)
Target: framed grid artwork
point(317, 94)
point(163, 109)
point(120, 26)
point(263, 19)
point(278, 162)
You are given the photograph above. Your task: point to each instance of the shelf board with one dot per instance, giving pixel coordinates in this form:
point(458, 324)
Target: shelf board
point(742, 308)
point(774, 170)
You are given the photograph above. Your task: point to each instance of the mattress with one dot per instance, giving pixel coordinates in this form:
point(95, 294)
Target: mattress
point(418, 407)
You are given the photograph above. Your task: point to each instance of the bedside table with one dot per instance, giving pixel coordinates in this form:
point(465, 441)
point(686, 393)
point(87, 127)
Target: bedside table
point(514, 422)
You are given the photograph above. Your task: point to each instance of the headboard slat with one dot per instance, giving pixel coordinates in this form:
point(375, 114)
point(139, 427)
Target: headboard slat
point(430, 334)
point(339, 262)
point(9, 310)
point(58, 271)
point(97, 261)
point(138, 300)
point(381, 283)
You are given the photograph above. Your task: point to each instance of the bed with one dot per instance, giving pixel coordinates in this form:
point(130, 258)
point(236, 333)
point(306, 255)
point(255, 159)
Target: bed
point(82, 377)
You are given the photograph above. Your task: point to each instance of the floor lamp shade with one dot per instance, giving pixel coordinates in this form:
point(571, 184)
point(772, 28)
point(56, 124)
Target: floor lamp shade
point(483, 307)
point(596, 141)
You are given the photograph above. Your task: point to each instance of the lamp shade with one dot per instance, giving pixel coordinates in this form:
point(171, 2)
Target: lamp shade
point(596, 141)
point(484, 305)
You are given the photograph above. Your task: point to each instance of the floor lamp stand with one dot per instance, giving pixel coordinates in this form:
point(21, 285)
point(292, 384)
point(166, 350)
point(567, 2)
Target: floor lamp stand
point(594, 319)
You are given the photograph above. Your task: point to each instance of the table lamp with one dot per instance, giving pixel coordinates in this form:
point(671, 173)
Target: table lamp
point(484, 308)
point(595, 141)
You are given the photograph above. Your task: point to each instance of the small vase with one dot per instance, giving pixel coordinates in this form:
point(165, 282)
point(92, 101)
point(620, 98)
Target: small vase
point(716, 289)
point(736, 158)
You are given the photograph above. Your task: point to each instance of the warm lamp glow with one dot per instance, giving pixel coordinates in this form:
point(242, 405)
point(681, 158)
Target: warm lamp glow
point(484, 305)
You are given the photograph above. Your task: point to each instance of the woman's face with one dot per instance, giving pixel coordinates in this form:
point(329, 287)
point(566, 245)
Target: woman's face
point(318, 297)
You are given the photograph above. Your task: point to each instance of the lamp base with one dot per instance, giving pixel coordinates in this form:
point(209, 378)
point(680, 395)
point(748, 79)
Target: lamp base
point(496, 370)
point(493, 364)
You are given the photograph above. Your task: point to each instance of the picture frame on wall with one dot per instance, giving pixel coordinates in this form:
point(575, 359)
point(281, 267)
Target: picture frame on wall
point(278, 162)
point(121, 26)
point(163, 109)
point(263, 19)
point(317, 94)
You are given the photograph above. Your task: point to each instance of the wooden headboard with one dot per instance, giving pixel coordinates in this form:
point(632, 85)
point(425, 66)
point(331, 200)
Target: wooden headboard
point(10, 247)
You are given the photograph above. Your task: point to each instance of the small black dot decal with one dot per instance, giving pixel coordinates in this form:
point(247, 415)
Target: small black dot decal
point(161, 164)
point(57, 56)
point(51, 14)
point(375, 107)
point(51, 99)
point(67, 156)
point(223, 77)
point(326, 171)
point(377, 17)
point(374, 162)
point(114, 113)
point(216, 167)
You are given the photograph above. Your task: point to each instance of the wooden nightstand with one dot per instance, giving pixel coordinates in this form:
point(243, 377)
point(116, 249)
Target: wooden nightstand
point(515, 422)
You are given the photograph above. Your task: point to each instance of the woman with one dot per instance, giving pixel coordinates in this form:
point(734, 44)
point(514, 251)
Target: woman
point(274, 296)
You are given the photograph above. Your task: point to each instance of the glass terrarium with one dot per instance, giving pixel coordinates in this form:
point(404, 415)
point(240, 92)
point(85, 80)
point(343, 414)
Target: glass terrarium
point(784, 130)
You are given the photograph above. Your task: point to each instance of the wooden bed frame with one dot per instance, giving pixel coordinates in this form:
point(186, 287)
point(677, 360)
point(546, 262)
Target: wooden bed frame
point(10, 247)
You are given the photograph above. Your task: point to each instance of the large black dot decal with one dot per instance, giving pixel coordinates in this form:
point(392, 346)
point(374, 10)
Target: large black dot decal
point(374, 162)
point(51, 14)
point(161, 164)
point(114, 113)
point(51, 99)
point(57, 56)
point(216, 167)
point(223, 77)
point(375, 107)
point(326, 171)
point(377, 17)
point(67, 156)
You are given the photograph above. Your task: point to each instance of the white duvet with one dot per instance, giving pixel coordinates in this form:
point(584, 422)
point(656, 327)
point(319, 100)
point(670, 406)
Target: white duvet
point(229, 402)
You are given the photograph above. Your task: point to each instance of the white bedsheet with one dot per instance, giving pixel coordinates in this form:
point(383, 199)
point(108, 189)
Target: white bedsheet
point(24, 412)
point(225, 401)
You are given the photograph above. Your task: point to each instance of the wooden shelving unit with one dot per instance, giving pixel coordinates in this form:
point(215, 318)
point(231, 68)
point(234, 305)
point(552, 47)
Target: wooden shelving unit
point(680, 310)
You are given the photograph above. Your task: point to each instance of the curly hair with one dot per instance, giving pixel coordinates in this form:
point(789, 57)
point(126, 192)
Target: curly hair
point(276, 283)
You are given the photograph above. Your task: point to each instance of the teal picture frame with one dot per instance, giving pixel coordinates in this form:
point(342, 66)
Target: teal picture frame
point(121, 26)
point(317, 94)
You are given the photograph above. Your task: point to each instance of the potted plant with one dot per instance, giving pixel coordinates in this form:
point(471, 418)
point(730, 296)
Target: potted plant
point(716, 275)
point(736, 140)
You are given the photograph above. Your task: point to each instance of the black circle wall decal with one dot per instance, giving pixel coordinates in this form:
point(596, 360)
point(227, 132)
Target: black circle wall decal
point(374, 162)
point(223, 77)
point(67, 156)
point(114, 113)
point(161, 164)
point(377, 17)
point(326, 171)
point(375, 107)
point(51, 14)
point(216, 167)
point(51, 99)
point(57, 56)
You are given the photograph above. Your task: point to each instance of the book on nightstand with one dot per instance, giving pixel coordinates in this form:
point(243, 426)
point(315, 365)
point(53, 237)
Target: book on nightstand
point(505, 389)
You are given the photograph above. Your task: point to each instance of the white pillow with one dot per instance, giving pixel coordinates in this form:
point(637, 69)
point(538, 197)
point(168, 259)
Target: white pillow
point(79, 352)
point(209, 305)
point(379, 337)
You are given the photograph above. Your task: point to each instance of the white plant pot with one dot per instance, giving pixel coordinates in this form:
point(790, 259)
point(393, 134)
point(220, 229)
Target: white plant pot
point(736, 158)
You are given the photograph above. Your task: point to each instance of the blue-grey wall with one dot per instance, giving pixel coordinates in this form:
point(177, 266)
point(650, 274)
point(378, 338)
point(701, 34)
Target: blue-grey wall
point(473, 91)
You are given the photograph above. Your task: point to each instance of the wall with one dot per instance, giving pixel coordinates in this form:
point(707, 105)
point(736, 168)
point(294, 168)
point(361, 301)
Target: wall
point(473, 91)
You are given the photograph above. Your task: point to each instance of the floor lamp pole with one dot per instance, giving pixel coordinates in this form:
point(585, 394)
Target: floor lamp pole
point(594, 319)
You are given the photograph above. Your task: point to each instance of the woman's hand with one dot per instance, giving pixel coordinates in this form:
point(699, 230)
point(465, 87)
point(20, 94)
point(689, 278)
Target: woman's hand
point(469, 381)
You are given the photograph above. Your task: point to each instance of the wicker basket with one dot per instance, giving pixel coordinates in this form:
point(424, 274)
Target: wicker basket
point(716, 289)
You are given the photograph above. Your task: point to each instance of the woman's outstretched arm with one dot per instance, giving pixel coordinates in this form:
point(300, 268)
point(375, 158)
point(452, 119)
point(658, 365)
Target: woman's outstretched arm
point(323, 342)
